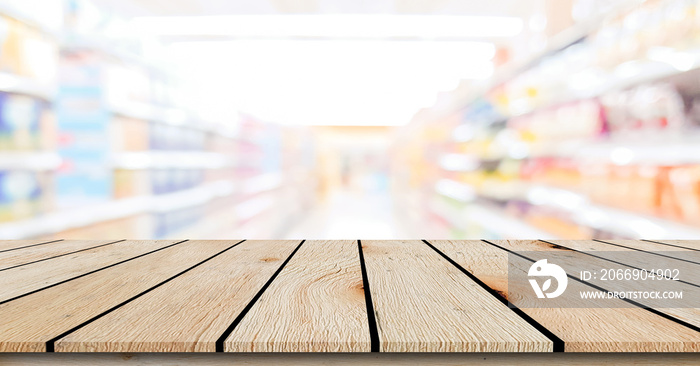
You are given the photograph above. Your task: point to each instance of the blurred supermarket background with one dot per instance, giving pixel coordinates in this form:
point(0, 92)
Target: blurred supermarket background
point(349, 119)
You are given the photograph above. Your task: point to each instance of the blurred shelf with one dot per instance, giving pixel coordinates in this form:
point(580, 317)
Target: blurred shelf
point(633, 225)
point(32, 161)
point(497, 221)
point(459, 162)
point(249, 208)
point(106, 47)
point(489, 218)
point(191, 197)
point(439, 215)
point(652, 68)
point(83, 216)
point(683, 149)
point(609, 219)
point(208, 228)
point(170, 159)
point(597, 216)
point(455, 190)
point(581, 211)
point(169, 116)
point(152, 113)
point(625, 76)
point(651, 149)
point(219, 223)
point(74, 218)
point(261, 183)
point(11, 83)
point(11, 10)
point(561, 41)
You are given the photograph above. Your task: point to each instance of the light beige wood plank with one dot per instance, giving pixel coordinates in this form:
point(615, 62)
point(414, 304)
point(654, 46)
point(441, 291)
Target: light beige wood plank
point(425, 304)
point(596, 246)
point(348, 359)
point(14, 244)
point(644, 259)
point(316, 304)
point(30, 321)
point(582, 329)
point(690, 315)
point(189, 314)
point(41, 252)
point(690, 244)
point(21, 280)
point(667, 250)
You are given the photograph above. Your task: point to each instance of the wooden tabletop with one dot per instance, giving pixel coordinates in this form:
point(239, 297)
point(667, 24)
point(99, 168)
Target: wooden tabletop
point(312, 296)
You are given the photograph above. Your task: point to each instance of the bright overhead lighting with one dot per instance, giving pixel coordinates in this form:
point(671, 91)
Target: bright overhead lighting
point(329, 82)
point(332, 26)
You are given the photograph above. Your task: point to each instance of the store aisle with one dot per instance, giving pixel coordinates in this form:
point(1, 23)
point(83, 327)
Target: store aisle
point(349, 214)
point(572, 121)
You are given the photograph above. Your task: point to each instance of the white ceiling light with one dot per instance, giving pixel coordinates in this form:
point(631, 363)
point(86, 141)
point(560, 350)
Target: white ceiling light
point(346, 82)
point(333, 26)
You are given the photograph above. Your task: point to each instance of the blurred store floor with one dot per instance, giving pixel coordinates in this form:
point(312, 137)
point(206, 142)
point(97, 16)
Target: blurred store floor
point(351, 215)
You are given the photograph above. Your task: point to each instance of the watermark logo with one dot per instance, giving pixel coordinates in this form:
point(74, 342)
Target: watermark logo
point(543, 269)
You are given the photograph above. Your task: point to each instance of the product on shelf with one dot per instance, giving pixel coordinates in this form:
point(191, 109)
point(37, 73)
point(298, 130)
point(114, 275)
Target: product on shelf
point(83, 125)
point(542, 130)
point(113, 106)
point(23, 194)
point(557, 223)
point(166, 137)
point(130, 183)
point(649, 109)
point(129, 134)
point(609, 124)
point(20, 122)
point(26, 51)
point(167, 223)
point(685, 190)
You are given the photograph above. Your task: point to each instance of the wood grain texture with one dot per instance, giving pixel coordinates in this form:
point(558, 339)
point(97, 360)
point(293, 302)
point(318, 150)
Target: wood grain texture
point(21, 280)
point(348, 359)
point(30, 321)
point(316, 304)
point(690, 315)
point(682, 259)
point(422, 303)
point(689, 244)
point(671, 251)
point(603, 246)
point(190, 313)
point(31, 254)
point(582, 329)
point(642, 256)
point(14, 244)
